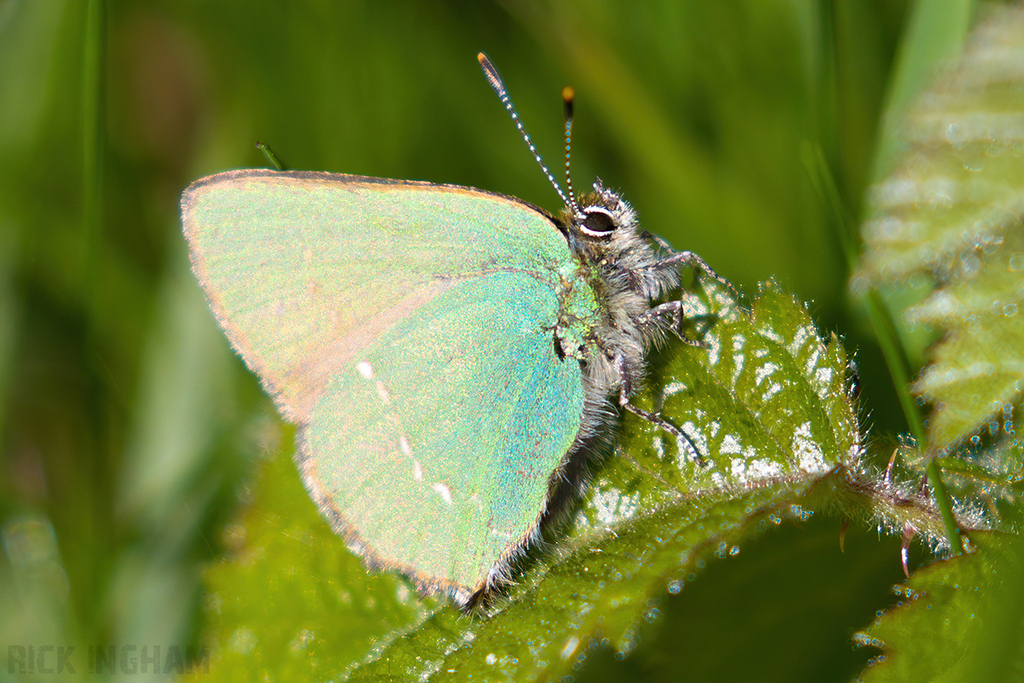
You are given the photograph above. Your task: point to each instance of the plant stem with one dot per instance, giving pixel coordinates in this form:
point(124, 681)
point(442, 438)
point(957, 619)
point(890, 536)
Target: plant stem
point(888, 341)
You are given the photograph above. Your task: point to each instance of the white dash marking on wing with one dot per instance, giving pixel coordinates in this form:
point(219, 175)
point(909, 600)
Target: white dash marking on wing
point(444, 492)
point(365, 369)
point(417, 470)
point(382, 391)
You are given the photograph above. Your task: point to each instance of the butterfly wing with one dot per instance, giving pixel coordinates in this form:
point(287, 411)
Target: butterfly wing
point(408, 328)
point(438, 444)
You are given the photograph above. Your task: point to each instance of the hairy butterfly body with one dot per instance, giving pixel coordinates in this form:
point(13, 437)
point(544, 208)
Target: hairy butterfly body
point(449, 354)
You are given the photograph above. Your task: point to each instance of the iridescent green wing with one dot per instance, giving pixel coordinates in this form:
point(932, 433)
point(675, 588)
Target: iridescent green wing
point(409, 328)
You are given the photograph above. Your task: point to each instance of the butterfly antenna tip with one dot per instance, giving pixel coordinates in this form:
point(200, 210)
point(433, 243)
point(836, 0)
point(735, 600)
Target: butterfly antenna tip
point(494, 79)
point(568, 96)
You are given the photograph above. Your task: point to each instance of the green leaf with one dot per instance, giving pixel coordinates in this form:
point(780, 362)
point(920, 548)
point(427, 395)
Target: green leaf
point(765, 402)
point(985, 483)
point(934, 31)
point(976, 370)
point(952, 209)
point(959, 620)
point(292, 603)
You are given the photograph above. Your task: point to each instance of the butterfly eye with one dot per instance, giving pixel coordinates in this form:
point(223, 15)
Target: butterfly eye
point(598, 221)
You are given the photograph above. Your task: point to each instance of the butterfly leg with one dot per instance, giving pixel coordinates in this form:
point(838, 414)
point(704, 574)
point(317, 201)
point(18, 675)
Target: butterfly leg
point(672, 262)
point(686, 258)
point(652, 316)
point(626, 389)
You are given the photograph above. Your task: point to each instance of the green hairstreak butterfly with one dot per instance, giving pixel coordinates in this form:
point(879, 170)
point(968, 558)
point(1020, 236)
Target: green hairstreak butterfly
point(449, 354)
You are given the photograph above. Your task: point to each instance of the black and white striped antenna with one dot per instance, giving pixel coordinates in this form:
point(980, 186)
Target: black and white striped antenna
point(494, 78)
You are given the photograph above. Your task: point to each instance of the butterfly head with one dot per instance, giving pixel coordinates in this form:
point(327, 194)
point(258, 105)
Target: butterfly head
point(602, 215)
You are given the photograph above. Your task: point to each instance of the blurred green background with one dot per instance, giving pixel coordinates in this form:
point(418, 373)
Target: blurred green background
point(129, 430)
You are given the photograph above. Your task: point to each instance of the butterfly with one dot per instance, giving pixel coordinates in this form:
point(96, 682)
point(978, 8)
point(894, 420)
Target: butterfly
point(450, 355)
